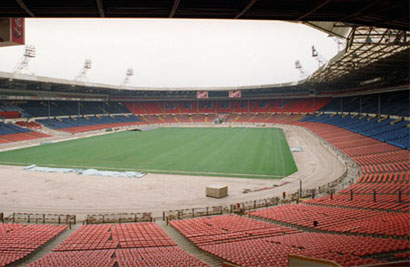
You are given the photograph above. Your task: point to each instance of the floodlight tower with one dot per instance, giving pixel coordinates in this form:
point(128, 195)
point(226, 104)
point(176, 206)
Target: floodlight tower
point(320, 59)
point(82, 76)
point(301, 70)
point(128, 74)
point(22, 65)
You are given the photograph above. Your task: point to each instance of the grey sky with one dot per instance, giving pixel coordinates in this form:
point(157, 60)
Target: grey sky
point(171, 52)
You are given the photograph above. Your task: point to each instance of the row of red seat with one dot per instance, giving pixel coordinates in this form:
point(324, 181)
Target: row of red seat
point(370, 149)
point(225, 228)
point(383, 202)
point(130, 244)
point(384, 157)
point(158, 256)
point(263, 253)
point(8, 138)
point(379, 188)
point(32, 124)
point(335, 219)
point(397, 166)
point(105, 236)
point(10, 114)
point(254, 106)
point(386, 177)
point(384, 167)
point(344, 144)
point(273, 250)
point(19, 240)
point(97, 127)
point(236, 118)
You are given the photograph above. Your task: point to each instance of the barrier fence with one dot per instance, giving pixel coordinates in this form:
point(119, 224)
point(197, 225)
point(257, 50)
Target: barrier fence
point(247, 206)
point(118, 218)
point(39, 218)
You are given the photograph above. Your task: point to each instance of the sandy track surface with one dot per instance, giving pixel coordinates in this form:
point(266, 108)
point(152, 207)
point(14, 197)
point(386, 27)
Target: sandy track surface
point(27, 191)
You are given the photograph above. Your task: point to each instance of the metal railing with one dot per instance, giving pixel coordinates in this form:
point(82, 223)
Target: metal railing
point(118, 218)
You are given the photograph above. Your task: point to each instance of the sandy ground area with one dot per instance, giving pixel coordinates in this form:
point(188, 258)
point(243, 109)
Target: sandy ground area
point(27, 191)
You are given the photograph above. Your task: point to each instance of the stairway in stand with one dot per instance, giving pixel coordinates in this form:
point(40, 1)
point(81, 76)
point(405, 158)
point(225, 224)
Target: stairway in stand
point(188, 246)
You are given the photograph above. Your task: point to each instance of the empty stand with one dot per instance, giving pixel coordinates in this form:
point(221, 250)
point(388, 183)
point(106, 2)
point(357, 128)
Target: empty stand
point(131, 244)
point(335, 219)
point(12, 133)
point(84, 124)
point(249, 242)
point(225, 228)
point(19, 240)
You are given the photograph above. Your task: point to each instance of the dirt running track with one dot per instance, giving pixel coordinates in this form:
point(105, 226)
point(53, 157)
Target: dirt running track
point(25, 191)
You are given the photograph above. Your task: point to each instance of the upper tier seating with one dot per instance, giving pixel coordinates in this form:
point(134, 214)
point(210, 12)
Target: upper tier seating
point(10, 111)
point(396, 134)
point(75, 125)
point(227, 106)
point(115, 108)
point(71, 108)
point(392, 103)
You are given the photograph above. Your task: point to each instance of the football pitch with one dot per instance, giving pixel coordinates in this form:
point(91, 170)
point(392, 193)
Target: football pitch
point(232, 152)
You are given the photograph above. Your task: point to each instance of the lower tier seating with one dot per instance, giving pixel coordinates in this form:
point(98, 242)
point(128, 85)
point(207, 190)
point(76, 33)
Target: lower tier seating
point(77, 125)
point(19, 240)
point(108, 236)
point(32, 124)
point(220, 229)
point(157, 256)
point(248, 242)
point(334, 219)
point(383, 202)
point(130, 244)
point(274, 251)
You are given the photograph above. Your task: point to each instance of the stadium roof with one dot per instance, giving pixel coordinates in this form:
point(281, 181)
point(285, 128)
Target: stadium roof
point(392, 14)
point(371, 53)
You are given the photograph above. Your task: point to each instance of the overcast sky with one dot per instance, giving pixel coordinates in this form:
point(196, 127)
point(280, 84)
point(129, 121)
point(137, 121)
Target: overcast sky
point(171, 52)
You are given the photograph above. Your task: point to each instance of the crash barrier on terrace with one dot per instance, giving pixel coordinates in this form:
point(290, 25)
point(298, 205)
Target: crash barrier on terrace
point(118, 218)
point(39, 218)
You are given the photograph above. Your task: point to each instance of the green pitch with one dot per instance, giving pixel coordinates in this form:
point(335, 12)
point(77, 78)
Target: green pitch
point(234, 152)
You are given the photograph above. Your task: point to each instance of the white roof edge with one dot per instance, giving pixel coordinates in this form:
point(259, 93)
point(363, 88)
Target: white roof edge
point(341, 31)
point(44, 79)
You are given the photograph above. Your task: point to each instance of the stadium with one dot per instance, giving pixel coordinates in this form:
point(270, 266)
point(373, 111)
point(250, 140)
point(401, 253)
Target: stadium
point(312, 172)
